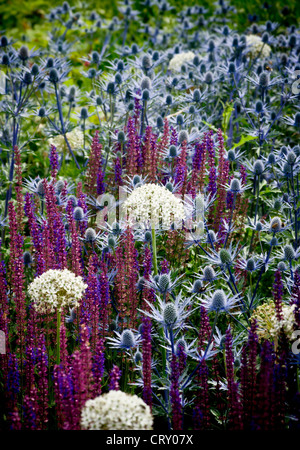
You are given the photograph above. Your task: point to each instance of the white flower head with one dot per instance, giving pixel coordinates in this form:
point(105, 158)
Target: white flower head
point(257, 47)
point(55, 289)
point(155, 205)
point(75, 138)
point(179, 59)
point(116, 410)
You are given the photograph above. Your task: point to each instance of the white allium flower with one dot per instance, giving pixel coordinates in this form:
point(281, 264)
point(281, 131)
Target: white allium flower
point(256, 46)
point(116, 410)
point(75, 138)
point(155, 204)
point(179, 59)
point(286, 324)
point(55, 289)
point(269, 327)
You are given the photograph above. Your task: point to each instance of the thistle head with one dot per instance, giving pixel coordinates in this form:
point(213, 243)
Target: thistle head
point(173, 153)
point(183, 136)
point(291, 157)
point(275, 224)
point(170, 314)
point(146, 83)
point(78, 213)
point(225, 256)
point(250, 265)
point(90, 235)
point(208, 274)
point(218, 300)
point(281, 266)
point(258, 167)
point(53, 76)
point(289, 252)
point(180, 344)
point(164, 282)
point(235, 185)
point(263, 80)
point(27, 258)
point(197, 287)
point(40, 189)
point(127, 339)
point(23, 53)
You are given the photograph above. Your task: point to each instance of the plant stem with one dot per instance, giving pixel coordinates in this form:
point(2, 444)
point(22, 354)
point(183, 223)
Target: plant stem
point(154, 256)
point(58, 337)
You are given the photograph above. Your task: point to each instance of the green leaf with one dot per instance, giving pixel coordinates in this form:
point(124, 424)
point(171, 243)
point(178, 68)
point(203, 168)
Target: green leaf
point(243, 140)
point(228, 108)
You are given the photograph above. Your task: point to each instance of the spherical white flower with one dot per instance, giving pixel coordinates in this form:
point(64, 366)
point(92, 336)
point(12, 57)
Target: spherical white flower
point(179, 59)
point(75, 138)
point(269, 327)
point(116, 410)
point(155, 204)
point(55, 289)
point(256, 46)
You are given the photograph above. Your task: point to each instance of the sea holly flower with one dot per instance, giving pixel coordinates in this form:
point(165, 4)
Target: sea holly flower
point(126, 340)
point(172, 314)
point(219, 301)
point(276, 225)
point(250, 264)
point(163, 283)
point(288, 253)
point(224, 258)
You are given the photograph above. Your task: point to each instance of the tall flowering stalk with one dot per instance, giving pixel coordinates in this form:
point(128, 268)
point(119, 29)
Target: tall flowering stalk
point(175, 395)
point(234, 420)
point(181, 169)
point(278, 294)
point(98, 361)
point(115, 375)
point(198, 166)
point(133, 149)
point(146, 363)
point(202, 406)
point(54, 163)
point(105, 299)
point(35, 233)
point(76, 264)
point(163, 144)
point(19, 195)
point(94, 165)
point(17, 278)
point(223, 170)
point(265, 405)
point(212, 174)
point(249, 376)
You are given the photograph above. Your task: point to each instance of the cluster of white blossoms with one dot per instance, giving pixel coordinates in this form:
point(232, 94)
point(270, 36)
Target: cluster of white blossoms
point(269, 327)
point(256, 46)
point(179, 59)
point(75, 138)
point(154, 204)
point(116, 410)
point(55, 289)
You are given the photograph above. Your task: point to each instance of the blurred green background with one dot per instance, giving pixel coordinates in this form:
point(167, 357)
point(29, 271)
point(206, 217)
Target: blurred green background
point(17, 16)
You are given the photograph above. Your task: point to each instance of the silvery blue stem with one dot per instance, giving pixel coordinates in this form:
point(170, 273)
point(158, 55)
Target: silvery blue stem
point(205, 353)
point(229, 227)
point(61, 119)
point(12, 165)
point(260, 275)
